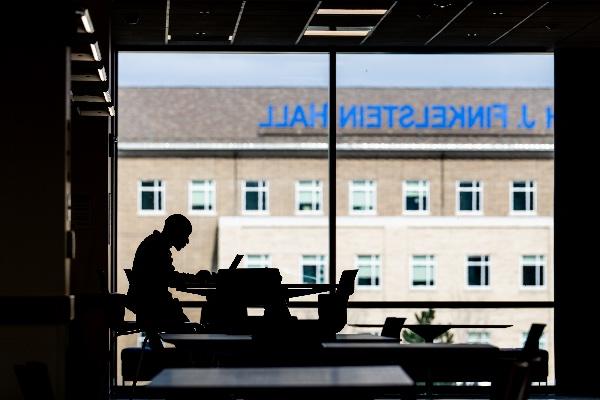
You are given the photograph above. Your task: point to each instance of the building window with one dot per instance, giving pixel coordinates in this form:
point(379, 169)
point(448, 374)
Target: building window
point(258, 261)
point(309, 197)
point(363, 197)
point(478, 271)
point(202, 197)
point(533, 268)
point(522, 197)
point(313, 269)
point(416, 197)
point(255, 197)
point(469, 197)
point(478, 337)
point(423, 271)
point(368, 270)
point(151, 197)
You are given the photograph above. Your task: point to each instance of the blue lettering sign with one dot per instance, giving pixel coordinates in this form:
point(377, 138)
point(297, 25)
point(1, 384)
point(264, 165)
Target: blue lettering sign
point(403, 116)
point(525, 122)
point(406, 116)
point(374, 116)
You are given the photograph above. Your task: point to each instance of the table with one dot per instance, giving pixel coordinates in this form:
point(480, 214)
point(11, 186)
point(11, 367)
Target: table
point(431, 331)
point(212, 339)
point(425, 362)
point(290, 382)
point(292, 290)
point(363, 338)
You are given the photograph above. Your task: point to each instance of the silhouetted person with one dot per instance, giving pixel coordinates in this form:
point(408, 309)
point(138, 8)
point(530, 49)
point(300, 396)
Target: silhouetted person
point(153, 273)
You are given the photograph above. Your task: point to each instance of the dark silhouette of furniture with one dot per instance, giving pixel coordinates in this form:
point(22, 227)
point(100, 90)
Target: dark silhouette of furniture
point(517, 368)
point(289, 383)
point(392, 326)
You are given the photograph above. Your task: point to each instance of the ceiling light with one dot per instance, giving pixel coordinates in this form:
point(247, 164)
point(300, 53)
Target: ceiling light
point(96, 51)
point(317, 32)
point(350, 11)
point(102, 74)
point(86, 20)
point(442, 3)
point(497, 13)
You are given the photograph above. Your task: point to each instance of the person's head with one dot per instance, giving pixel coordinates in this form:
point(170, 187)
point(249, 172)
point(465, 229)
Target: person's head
point(177, 230)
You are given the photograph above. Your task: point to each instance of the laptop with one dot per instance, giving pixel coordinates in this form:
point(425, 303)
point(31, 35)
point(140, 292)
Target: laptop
point(236, 261)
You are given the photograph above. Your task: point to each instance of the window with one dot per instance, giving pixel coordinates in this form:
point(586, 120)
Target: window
point(416, 197)
point(313, 269)
point(368, 270)
point(258, 261)
point(255, 197)
point(533, 268)
point(468, 197)
point(423, 271)
point(543, 342)
point(363, 197)
point(202, 197)
point(309, 197)
point(478, 271)
point(478, 337)
point(151, 197)
point(522, 197)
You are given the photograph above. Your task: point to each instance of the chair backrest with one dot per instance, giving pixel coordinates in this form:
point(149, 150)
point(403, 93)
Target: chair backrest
point(346, 284)
point(392, 327)
point(532, 343)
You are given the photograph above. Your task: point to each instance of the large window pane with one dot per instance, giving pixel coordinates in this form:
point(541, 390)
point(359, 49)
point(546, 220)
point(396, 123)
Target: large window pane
point(460, 147)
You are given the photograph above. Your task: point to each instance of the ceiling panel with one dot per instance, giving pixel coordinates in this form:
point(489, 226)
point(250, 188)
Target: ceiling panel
point(202, 21)
point(139, 22)
point(439, 24)
point(553, 23)
point(414, 22)
point(276, 23)
point(484, 22)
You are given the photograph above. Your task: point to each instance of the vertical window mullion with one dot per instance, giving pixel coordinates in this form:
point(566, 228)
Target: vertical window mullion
point(331, 160)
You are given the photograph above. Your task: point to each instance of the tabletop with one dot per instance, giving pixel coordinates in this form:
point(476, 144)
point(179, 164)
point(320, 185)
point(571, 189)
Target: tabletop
point(371, 380)
point(291, 290)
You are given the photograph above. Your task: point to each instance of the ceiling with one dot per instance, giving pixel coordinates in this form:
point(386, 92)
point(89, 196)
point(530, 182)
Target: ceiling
point(403, 25)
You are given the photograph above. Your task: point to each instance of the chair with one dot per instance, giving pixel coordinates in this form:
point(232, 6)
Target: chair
point(392, 327)
point(515, 368)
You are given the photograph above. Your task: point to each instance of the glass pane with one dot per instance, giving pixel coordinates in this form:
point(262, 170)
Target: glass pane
point(252, 201)
point(519, 201)
point(147, 200)
point(422, 127)
point(474, 276)
point(466, 201)
point(529, 276)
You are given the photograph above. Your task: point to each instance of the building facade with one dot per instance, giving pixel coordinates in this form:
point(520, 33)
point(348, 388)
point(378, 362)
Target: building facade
point(441, 195)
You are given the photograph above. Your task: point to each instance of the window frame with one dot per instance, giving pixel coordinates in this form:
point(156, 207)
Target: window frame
point(411, 270)
point(162, 189)
point(212, 189)
point(478, 192)
point(323, 265)
point(316, 191)
point(483, 265)
point(374, 276)
point(427, 195)
point(260, 189)
point(543, 274)
point(373, 189)
point(264, 257)
point(512, 191)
